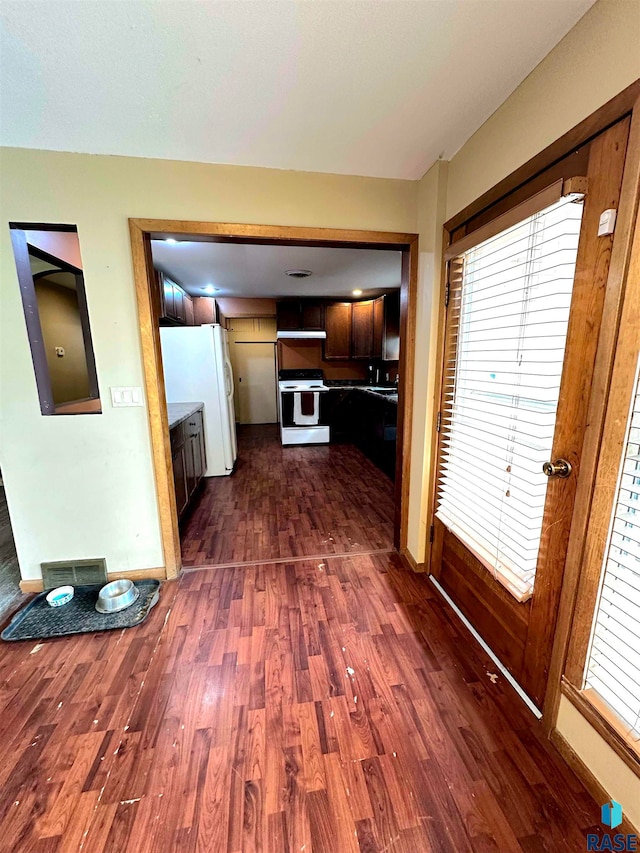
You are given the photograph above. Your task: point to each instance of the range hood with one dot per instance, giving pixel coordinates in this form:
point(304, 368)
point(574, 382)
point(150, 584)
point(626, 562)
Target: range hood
point(304, 336)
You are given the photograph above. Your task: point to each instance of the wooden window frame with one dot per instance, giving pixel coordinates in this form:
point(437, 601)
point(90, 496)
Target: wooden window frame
point(519, 186)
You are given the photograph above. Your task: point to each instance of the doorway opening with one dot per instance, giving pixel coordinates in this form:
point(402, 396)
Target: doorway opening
point(320, 469)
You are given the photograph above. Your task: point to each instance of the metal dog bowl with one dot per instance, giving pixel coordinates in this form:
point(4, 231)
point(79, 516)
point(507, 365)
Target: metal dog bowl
point(116, 596)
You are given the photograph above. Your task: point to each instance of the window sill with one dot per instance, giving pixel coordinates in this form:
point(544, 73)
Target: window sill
point(605, 722)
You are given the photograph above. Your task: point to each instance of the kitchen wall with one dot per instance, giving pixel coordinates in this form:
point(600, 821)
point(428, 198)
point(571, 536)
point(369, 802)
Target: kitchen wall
point(104, 502)
point(298, 355)
point(597, 59)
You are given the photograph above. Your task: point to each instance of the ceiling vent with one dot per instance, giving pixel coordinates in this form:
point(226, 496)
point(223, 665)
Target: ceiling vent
point(74, 572)
point(298, 273)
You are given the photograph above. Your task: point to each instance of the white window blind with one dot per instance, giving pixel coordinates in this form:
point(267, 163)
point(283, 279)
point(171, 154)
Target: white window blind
point(613, 668)
point(502, 380)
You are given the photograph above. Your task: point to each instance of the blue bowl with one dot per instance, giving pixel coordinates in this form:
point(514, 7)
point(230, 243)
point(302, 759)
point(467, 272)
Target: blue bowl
point(59, 596)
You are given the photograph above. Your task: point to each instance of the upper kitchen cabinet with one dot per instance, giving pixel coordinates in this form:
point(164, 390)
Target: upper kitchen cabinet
point(362, 329)
point(338, 327)
point(312, 314)
point(205, 310)
point(300, 315)
point(288, 315)
point(386, 326)
point(176, 307)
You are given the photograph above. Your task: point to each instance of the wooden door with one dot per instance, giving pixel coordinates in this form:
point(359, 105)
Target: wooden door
point(254, 367)
point(338, 325)
point(518, 628)
point(362, 329)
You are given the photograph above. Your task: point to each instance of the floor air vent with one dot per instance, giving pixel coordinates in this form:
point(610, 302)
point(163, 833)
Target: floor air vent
point(74, 572)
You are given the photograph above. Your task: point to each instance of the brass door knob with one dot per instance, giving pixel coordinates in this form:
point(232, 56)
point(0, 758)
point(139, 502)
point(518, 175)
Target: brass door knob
point(559, 468)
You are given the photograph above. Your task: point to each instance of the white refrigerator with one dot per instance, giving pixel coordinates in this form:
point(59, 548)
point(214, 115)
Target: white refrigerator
point(197, 369)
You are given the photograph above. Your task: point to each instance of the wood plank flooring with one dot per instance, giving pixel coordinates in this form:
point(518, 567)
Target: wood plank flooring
point(323, 706)
point(285, 502)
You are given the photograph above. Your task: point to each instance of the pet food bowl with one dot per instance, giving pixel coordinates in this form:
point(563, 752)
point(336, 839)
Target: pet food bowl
point(116, 596)
point(59, 596)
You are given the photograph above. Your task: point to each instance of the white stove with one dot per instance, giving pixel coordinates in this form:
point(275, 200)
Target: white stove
point(299, 394)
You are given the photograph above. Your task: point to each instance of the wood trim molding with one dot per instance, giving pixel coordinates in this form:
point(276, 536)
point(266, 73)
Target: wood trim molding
point(593, 786)
point(143, 230)
point(576, 608)
point(36, 585)
point(410, 561)
point(608, 114)
point(603, 721)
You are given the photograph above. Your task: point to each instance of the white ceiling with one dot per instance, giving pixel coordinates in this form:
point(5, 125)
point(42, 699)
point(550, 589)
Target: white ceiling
point(252, 270)
point(364, 87)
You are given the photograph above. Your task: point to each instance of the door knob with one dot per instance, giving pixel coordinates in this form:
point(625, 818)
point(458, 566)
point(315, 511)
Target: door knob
point(559, 468)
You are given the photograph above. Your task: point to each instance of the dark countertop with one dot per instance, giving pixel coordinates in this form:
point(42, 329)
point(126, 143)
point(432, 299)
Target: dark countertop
point(179, 412)
point(336, 385)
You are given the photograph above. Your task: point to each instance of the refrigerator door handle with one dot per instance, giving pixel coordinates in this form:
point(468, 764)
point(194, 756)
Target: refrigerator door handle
point(228, 378)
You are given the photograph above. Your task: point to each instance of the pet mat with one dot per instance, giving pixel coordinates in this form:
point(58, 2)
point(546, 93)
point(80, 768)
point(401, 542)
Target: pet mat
point(38, 620)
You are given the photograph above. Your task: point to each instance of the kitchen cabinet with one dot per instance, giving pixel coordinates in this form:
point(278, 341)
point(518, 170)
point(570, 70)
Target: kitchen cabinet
point(188, 457)
point(386, 326)
point(338, 327)
point(312, 315)
point(362, 329)
point(300, 315)
point(205, 310)
point(176, 307)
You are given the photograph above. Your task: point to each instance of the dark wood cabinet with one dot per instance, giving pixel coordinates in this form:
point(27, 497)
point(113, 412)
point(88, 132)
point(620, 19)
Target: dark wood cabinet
point(312, 315)
point(205, 310)
point(386, 327)
point(176, 306)
point(300, 315)
point(338, 327)
point(188, 457)
point(362, 329)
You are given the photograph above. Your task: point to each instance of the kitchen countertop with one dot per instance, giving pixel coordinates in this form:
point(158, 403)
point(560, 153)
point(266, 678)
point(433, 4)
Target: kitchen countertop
point(367, 389)
point(181, 411)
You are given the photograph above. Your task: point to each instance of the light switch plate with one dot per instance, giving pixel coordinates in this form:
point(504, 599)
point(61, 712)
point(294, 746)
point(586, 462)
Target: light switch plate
point(126, 396)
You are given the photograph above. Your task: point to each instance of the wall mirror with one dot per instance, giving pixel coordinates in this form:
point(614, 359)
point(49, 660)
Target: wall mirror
point(51, 282)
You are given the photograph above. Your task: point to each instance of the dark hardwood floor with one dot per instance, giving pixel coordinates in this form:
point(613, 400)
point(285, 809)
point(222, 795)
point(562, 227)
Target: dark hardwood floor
point(10, 593)
point(285, 502)
point(321, 706)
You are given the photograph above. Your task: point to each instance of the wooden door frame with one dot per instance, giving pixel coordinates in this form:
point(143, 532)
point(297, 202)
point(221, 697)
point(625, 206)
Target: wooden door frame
point(625, 104)
point(142, 231)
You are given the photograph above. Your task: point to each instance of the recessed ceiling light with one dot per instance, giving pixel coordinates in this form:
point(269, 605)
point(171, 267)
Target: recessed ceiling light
point(357, 293)
point(170, 240)
point(209, 289)
point(298, 273)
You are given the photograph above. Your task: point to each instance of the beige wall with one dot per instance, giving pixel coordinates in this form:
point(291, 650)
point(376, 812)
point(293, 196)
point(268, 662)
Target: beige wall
point(61, 327)
point(105, 503)
point(619, 781)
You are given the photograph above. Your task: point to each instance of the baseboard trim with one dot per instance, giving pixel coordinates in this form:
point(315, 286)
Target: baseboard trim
point(593, 786)
point(409, 559)
point(29, 587)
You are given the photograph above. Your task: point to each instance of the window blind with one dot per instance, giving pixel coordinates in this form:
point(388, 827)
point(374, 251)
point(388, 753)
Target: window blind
point(509, 311)
point(613, 668)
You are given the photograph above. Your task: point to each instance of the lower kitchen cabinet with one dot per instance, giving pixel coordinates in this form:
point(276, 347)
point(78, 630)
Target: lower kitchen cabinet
point(188, 457)
point(368, 420)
